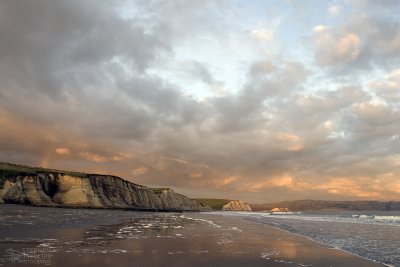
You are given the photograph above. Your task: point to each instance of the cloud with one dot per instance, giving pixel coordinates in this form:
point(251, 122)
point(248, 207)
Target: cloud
point(332, 49)
point(63, 151)
point(226, 181)
point(365, 38)
point(199, 71)
point(334, 9)
point(261, 68)
point(291, 142)
point(262, 35)
point(63, 38)
point(282, 181)
point(387, 87)
point(140, 170)
point(90, 156)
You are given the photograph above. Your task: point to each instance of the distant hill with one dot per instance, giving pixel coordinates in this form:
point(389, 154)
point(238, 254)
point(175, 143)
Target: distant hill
point(214, 203)
point(302, 205)
point(9, 170)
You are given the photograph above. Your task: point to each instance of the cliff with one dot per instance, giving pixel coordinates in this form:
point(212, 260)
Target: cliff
point(235, 205)
point(54, 188)
point(302, 205)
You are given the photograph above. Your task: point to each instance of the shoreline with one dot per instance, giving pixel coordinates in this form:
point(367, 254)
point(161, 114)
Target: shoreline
point(322, 244)
point(111, 237)
point(276, 228)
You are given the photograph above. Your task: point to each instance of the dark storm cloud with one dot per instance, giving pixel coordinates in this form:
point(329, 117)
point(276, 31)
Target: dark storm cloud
point(47, 43)
point(76, 53)
point(58, 57)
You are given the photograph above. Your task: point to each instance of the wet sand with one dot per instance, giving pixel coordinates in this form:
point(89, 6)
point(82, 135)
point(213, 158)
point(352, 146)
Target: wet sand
point(165, 239)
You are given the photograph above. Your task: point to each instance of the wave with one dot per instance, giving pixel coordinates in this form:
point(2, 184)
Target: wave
point(364, 244)
point(387, 218)
point(363, 216)
point(377, 217)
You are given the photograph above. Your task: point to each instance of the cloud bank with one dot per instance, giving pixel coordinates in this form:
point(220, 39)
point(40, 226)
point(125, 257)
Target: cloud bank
point(212, 98)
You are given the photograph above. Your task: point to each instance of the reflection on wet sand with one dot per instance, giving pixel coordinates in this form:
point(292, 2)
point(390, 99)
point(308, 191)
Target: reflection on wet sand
point(170, 239)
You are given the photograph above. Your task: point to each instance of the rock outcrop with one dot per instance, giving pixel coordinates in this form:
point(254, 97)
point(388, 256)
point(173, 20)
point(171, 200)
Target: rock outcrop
point(57, 189)
point(280, 210)
point(236, 205)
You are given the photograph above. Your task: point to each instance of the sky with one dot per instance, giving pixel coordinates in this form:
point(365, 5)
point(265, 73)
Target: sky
point(261, 101)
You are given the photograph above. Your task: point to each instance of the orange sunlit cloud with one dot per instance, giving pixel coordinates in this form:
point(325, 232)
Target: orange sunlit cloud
point(226, 181)
point(140, 170)
point(63, 151)
point(292, 142)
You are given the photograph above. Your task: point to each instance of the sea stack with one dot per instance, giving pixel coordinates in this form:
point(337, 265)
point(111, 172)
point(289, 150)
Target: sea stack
point(236, 205)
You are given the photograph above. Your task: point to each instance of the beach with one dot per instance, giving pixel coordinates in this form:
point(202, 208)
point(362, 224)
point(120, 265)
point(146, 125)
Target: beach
point(78, 237)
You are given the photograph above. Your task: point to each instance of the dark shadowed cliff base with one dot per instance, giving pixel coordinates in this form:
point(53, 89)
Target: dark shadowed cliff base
point(81, 237)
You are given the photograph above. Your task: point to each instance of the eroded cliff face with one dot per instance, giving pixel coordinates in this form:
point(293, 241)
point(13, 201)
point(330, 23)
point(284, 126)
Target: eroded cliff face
point(93, 191)
point(237, 206)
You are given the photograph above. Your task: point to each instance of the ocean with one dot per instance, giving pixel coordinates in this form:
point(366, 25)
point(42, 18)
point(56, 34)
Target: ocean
point(62, 237)
point(374, 235)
